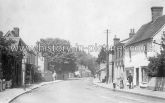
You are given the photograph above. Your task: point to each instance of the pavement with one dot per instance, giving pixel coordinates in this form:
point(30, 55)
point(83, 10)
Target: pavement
point(10, 94)
point(80, 91)
point(136, 90)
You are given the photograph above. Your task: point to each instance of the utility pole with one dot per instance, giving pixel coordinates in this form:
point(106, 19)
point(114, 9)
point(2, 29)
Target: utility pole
point(107, 76)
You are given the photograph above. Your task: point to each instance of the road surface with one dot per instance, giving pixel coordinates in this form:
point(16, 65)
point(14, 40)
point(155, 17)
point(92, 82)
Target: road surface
point(80, 91)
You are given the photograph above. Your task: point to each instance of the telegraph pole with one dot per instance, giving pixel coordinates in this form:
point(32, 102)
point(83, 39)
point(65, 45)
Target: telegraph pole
point(107, 76)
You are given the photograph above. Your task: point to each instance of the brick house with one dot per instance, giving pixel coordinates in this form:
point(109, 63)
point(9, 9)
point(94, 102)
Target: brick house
point(118, 57)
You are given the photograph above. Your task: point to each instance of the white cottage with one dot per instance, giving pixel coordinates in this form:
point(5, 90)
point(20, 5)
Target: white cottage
point(141, 46)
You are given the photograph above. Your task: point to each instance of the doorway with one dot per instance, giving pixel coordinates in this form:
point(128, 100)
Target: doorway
point(137, 76)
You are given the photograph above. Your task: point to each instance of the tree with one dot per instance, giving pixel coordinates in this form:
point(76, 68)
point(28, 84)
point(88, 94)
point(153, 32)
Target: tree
point(87, 60)
point(82, 58)
point(92, 65)
point(102, 56)
point(156, 67)
point(7, 57)
point(59, 54)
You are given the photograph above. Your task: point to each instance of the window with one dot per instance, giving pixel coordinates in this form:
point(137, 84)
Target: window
point(144, 75)
point(119, 52)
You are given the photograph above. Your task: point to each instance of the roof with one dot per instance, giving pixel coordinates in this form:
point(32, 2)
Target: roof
point(119, 44)
point(15, 39)
point(147, 31)
point(10, 33)
point(122, 43)
point(125, 40)
point(103, 69)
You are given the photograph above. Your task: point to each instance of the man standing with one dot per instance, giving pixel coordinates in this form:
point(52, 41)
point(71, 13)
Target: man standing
point(130, 81)
point(54, 76)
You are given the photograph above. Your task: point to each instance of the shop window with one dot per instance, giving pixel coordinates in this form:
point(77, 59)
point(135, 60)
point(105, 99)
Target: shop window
point(144, 75)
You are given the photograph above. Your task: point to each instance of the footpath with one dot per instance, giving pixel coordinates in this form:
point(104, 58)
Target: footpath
point(136, 90)
point(10, 94)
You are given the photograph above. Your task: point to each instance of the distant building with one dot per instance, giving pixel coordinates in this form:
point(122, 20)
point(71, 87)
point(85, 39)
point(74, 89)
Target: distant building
point(102, 72)
point(84, 71)
point(41, 63)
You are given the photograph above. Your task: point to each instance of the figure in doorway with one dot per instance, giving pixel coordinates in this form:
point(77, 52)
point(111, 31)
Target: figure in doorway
point(130, 80)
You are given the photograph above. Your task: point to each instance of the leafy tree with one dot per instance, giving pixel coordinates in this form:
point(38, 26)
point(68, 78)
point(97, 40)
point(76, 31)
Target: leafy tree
point(82, 58)
point(102, 56)
point(59, 54)
point(156, 67)
point(87, 60)
point(92, 65)
point(7, 57)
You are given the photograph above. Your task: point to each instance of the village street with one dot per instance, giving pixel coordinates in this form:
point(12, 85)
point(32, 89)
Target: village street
point(80, 91)
point(82, 51)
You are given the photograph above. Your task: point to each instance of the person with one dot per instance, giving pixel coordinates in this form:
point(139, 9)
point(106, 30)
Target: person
point(121, 84)
point(54, 76)
point(104, 80)
point(130, 80)
point(122, 81)
point(114, 84)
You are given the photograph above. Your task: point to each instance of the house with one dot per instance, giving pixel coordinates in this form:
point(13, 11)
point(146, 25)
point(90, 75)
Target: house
point(10, 62)
point(15, 66)
point(41, 63)
point(118, 57)
point(24, 70)
point(84, 71)
point(141, 46)
point(31, 65)
point(102, 72)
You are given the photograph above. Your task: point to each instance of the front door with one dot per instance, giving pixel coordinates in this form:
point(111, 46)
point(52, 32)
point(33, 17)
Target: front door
point(137, 76)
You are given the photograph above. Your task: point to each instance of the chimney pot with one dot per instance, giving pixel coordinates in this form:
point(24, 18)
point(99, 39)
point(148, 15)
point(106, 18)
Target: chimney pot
point(1, 33)
point(116, 40)
point(156, 12)
point(132, 32)
point(16, 31)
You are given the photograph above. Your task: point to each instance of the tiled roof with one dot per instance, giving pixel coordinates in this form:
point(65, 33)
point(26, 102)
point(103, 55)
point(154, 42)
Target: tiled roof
point(147, 31)
point(121, 43)
point(125, 40)
point(15, 39)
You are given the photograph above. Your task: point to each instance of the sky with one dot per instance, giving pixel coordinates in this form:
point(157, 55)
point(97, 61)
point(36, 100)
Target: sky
point(82, 22)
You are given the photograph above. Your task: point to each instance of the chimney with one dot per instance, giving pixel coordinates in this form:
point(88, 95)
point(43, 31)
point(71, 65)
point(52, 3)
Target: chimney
point(132, 32)
point(1, 33)
point(16, 31)
point(156, 12)
point(116, 40)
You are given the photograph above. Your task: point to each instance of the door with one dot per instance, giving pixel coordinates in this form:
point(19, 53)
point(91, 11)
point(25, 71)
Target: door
point(137, 76)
